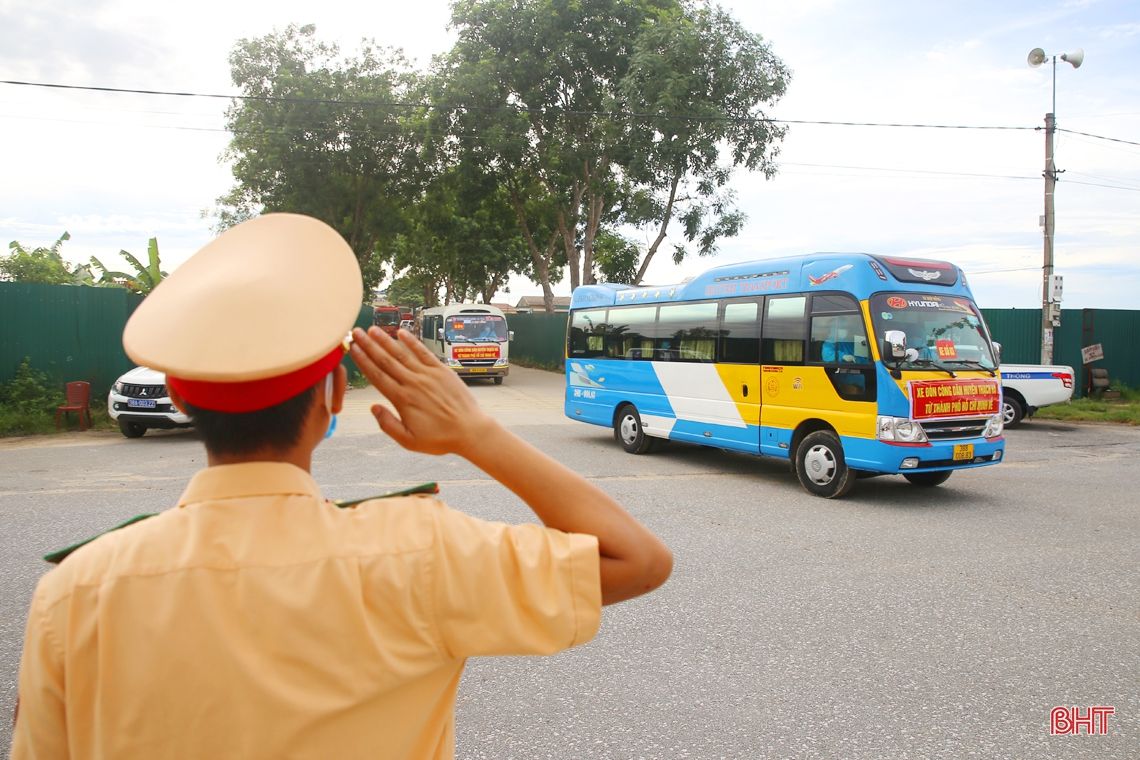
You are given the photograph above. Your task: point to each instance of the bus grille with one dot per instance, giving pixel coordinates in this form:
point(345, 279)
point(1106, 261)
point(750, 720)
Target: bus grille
point(951, 429)
point(478, 362)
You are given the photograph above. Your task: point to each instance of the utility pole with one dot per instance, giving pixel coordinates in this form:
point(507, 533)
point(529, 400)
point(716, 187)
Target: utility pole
point(1050, 286)
point(1047, 269)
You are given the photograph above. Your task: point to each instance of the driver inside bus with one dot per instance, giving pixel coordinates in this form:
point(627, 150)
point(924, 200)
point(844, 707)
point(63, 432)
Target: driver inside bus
point(840, 347)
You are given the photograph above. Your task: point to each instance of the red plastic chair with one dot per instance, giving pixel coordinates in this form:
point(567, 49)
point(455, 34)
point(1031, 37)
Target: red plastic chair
point(78, 400)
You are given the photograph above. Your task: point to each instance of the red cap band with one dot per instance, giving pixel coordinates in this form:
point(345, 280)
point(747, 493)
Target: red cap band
point(254, 395)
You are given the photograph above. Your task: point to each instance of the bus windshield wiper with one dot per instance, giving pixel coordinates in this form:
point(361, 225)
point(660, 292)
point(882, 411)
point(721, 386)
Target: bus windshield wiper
point(974, 363)
point(936, 365)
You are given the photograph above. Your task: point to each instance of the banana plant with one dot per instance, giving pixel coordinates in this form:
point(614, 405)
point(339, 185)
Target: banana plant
point(145, 278)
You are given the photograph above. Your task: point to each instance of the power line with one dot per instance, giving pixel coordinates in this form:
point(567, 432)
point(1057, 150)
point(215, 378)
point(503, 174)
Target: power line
point(1095, 137)
point(1097, 184)
point(911, 171)
point(1000, 271)
point(519, 109)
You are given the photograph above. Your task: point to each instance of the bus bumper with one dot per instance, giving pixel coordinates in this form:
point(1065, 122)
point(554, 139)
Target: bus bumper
point(474, 372)
point(898, 459)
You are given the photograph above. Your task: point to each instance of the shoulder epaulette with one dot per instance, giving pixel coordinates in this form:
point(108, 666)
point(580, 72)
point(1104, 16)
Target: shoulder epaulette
point(56, 557)
point(429, 488)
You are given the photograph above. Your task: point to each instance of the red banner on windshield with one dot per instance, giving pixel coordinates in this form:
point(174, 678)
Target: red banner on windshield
point(942, 399)
point(476, 352)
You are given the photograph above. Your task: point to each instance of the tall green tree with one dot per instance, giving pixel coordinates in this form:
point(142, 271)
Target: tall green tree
point(43, 265)
point(462, 237)
point(145, 278)
point(603, 113)
point(323, 134)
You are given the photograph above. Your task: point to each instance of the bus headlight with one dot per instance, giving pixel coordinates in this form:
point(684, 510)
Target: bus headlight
point(901, 430)
point(453, 362)
point(501, 362)
point(994, 426)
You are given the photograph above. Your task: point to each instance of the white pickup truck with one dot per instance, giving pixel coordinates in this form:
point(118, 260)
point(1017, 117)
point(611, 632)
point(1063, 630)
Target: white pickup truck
point(1025, 388)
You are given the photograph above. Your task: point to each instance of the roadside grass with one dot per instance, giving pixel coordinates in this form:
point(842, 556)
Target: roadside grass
point(1124, 410)
point(14, 422)
point(28, 402)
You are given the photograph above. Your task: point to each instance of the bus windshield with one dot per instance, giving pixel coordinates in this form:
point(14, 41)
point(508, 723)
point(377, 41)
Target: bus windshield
point(941, 329)
point(385, 317)
point(476, 328)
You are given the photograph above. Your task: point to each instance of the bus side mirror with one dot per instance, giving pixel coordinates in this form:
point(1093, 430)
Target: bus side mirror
point(997, 352)
point(894, 345)
point(439, 334)
point(510, 334)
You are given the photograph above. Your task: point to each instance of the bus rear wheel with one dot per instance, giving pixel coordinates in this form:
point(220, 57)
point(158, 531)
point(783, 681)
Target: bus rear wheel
point(820, 465)
point(927, 479)
point(629, 433)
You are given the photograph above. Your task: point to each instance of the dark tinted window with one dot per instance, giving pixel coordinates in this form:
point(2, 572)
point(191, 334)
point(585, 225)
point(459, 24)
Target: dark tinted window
point(740, 333)
point(687, 332)
point(830, 303)
point(587, 333)
point(785, 329)
point(632, 332)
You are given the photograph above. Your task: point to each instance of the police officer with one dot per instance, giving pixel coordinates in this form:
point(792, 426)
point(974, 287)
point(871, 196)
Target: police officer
point(254, 618)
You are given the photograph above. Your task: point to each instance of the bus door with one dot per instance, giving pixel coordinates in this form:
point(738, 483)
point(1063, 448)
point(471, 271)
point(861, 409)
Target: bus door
point(783, 397)
point(739, 360)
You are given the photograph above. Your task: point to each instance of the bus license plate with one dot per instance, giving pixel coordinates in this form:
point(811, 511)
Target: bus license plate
point(478, 369)
point(963, 451)
point(141, 403)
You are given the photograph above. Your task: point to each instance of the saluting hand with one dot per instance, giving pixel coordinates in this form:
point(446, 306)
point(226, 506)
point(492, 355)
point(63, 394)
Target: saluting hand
point(435, 411)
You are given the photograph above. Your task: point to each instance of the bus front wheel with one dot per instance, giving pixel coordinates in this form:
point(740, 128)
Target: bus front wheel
point(820, 465)
point(629, 433)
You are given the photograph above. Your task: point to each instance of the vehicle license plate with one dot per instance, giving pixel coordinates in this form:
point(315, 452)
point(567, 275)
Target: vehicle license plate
point(478, 369)
point(141, 403)
point(963, 451)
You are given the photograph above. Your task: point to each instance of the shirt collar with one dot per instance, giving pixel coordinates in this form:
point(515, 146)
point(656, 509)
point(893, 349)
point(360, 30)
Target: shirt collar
point(235, 481)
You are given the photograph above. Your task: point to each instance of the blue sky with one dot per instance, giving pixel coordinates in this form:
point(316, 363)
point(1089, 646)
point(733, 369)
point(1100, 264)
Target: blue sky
point(115, 170)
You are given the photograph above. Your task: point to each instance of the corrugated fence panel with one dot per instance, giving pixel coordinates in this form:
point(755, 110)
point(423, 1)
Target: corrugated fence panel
point(1117, 330)
point(75, 333)
point(363, 321)
point(68, 332)
point(539, 338)
point(1019, 333)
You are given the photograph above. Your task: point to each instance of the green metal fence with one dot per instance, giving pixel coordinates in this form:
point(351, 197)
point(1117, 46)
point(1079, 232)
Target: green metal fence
point(540, 339)
point(74, 332)
point(68, 332)
point(1117, 330)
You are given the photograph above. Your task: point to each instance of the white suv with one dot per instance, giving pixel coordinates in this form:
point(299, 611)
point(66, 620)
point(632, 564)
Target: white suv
point(138, 400)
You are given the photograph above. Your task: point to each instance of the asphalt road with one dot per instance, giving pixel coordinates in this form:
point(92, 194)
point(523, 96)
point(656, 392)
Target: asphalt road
point(897, 623)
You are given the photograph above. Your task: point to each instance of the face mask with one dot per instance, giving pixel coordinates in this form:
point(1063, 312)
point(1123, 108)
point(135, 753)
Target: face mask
point(328, 405)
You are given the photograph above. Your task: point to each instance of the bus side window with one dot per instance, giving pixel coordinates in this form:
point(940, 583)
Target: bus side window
point(740, 333)
point(687, 331)
point(784, 331)
point(631, 331)
point(838, 338)
point(587, 333)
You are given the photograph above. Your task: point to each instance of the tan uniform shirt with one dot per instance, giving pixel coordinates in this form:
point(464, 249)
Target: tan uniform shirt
point(257, 620)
